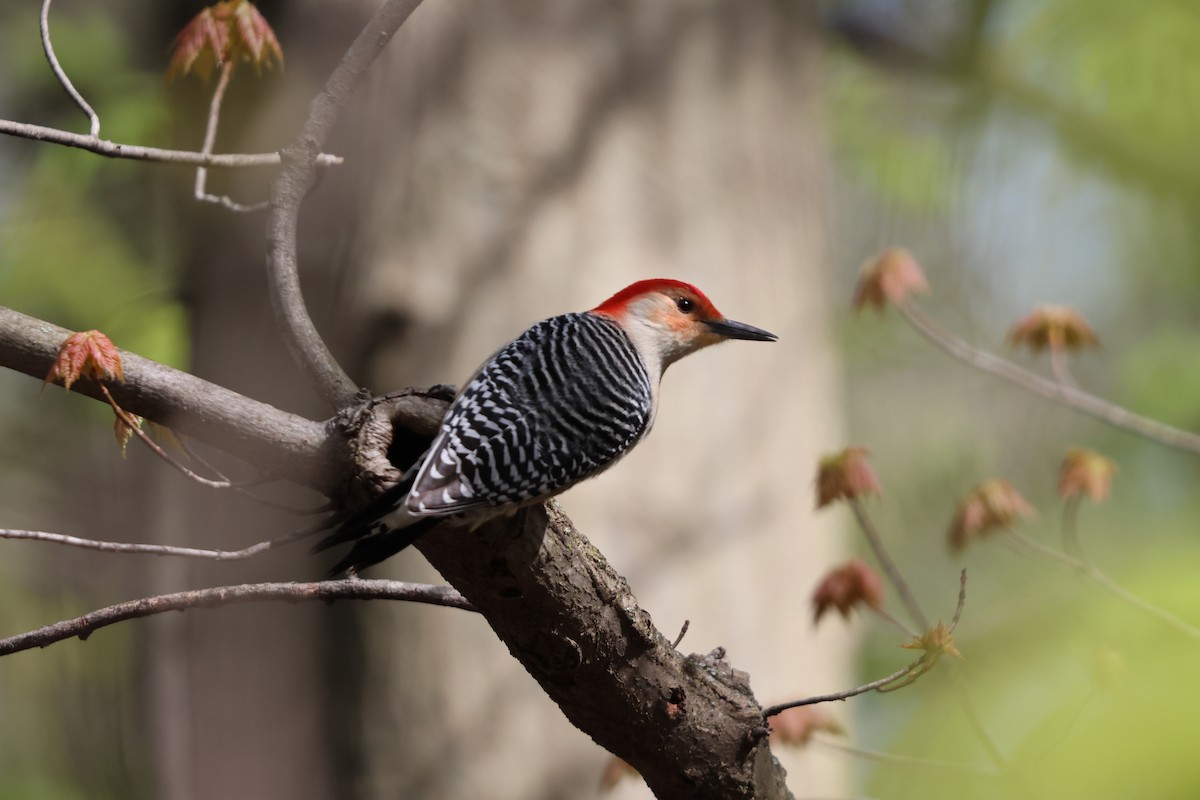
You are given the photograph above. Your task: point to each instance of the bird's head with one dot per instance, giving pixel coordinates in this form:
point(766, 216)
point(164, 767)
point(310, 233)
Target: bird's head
point(668, 319)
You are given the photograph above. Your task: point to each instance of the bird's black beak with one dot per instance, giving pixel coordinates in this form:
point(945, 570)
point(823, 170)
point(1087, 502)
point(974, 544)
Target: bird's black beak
point(738, 330)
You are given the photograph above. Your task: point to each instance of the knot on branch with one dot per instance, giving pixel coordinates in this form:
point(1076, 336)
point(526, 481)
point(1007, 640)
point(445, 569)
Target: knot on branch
point(386, 435)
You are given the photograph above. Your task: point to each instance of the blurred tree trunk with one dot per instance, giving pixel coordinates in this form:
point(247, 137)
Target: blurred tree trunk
point(235, 696)
point(532, 159)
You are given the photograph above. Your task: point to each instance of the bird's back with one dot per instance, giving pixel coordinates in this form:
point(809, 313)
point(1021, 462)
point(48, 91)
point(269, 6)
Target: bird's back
point(556, 405)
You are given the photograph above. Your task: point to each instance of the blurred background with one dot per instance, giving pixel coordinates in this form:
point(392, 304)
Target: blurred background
point(507, 162)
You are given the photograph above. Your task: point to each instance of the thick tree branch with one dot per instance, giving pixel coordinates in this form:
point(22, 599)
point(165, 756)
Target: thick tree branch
point(272, 440)
point(328, 591)
point(103, 147)
point(306, 345)
point(690, 725)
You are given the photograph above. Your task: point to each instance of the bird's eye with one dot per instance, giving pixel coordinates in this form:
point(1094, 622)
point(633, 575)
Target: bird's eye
point(685, 305)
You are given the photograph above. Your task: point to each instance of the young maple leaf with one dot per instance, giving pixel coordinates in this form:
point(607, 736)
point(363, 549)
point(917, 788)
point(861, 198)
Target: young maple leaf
point(796, 726)
point(845, 587)
point(202, 44)
point(1085, 472)
point(990, 506)
point(846, 474)
point(227, 31)
point(123, 432)
point(89, 354)
point(1057, 328)
point(888, 278)
point(253, 38)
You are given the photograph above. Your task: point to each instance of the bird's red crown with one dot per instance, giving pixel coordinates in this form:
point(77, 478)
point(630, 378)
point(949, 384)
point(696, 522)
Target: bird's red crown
point(615, 305)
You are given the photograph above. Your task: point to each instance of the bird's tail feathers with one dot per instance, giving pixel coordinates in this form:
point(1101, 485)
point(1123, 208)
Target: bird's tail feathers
point(371, 548)
point(378, 530)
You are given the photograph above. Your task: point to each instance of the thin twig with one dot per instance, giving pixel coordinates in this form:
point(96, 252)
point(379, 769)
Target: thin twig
point(132, 424)
point(103, 147)
point(161, 549)
point(1070, 396)
point(44, 25)
point(305, 344)
point(875, 685)
point(962, 599)
point(243, 487)
point(682, 633)
point(902, 760)
point(1093, 573)
point(1070, 531)
point(1059, 368)
point(889, 566)
point(210, 138)
point(900, 626)
point(216, 597)
point(981, 733)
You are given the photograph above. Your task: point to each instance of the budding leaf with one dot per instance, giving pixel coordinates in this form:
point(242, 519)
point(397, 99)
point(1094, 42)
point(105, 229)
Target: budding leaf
point(845, 587)
point(936, 642)
point(1085, 472)
point(1056, 328)
point(845, 475)
point(796, 726)
point(227, 31)
point(89, 354)
point(123, 432)
point(615, 771)
point(890, 277)
point(991, 506)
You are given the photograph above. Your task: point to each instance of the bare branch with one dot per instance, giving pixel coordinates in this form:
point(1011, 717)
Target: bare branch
point(1093, 573)
point(889, 566)
point(1061, 393)
point(915, 667)
point(962, 599)
point(307, 347)
point(902, 760)
point(327, 591)
point(160, 549)
point(44, 25)
point(102, 147)
point(210, 138)
point(276, 442)
point(135, 428)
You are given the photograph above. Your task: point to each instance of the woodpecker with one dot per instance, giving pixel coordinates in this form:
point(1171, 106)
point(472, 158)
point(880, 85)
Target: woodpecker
point(562, 402)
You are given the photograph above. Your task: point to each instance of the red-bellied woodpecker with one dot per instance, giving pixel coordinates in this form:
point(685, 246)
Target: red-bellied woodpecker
point(560, 403)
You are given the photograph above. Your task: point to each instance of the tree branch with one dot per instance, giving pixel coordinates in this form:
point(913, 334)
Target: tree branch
point(61, 75)
point(1060, 393)
point(690, 725)
point(307, 347)
point(328, 591)
point(272, 440)
point(895, 576)
point(103, 147)
point(210, 139)
point(879, 683)
point(159, 549)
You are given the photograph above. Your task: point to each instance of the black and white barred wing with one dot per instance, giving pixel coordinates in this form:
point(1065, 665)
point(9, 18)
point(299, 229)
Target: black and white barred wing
point(558, 404)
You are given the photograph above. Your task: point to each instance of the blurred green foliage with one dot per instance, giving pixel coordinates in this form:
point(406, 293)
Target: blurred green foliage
point(84, 244)
point(70, 251)
point(1052, 162)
